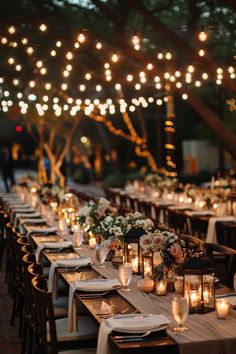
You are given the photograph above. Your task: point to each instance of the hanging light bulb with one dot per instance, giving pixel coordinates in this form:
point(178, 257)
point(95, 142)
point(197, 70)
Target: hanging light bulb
point(202, 36)
point(11, 30)
point(99, 45)
point(81, 38)
point(135, 39)
point(201, 52)
point(114, 58)
point(43, 27)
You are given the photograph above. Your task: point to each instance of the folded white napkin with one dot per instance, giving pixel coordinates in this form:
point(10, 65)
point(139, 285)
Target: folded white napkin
point(40, 230)
point(32, 221)
point(16, 203)
point(25, 215)
point(20, 206)
point(51, 245)
point(86, 285)
point(17, 210)
point(132, 323)
point(211, 230)
point(66, 262)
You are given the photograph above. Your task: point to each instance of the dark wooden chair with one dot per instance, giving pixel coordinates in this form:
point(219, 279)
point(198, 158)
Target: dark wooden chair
point(193, 242)
point(226, 234)
point(144, 208)
point(224, 262)
point(51, 335)
point(199, 225)
point(4, 218)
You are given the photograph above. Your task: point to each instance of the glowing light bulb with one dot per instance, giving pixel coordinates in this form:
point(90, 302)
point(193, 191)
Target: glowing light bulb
point(43, 27)
point(64, 86)
point(198, 83)
point(114, 58)
point(15, 82)
point(117, 86)
point(58, 44)
point(205, 76)
point(81, 38)
point(32, 84)
point(11, 29)
point(88, 76)
point(150, 66)
point(53, 53)
point(11, 61)
point(18, 67)
point(39, 64)
point(201, 52)
point(98, 88)
point(168, 56)
point(48, 86)
point(82, 87)
point(43, 71)
point(135, 40)
point(184, 96)
point(69, 56)
point(24, 41)
point(191, 68)
point(30, 50)
point(202, 36)
point(99, 45)
point(129, 78)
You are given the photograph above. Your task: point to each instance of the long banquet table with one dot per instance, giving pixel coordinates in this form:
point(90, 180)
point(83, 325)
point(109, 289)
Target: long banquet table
point(206, 333)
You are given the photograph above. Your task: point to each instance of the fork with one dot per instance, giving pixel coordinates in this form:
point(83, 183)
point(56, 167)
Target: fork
point(130, 336)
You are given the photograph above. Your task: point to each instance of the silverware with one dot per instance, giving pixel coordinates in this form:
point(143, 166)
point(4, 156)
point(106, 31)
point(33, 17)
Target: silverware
point(132, 315)
point(93, 295)
point(132, 338)
point(109, 314)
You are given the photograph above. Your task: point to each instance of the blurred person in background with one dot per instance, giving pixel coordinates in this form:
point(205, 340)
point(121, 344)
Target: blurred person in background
point(7, 168)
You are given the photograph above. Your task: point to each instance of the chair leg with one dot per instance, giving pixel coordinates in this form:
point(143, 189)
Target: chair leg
point(14, 308)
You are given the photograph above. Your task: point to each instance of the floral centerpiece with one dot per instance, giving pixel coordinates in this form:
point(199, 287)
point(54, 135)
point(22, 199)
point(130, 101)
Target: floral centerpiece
point(164, 251)
point(113, 228)
point(136, 220)
point(93, 213)
point(49, 194)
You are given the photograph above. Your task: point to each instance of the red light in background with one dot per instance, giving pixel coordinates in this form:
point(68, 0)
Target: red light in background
point(18, 128)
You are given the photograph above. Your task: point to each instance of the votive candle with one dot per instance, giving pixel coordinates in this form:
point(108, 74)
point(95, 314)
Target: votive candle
point(222, 308)
point(161, 287)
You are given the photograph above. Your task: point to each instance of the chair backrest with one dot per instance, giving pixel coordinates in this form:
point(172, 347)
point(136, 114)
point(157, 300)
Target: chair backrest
point(43, 312)
point(224, 262)
point(226, 234)
point(199, 226)
point(193, 242)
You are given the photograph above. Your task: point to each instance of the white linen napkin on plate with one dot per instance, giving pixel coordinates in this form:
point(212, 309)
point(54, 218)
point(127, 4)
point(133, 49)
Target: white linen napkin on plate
point(25, 215)
point(95, 285)
point(211, 230)
point(32, 220)
point(138, 322)
point(51, 245)
point(20, 210)
point(40, 230)
point(66, 262)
